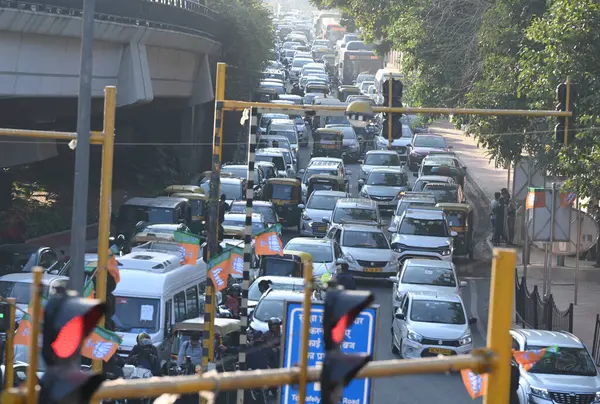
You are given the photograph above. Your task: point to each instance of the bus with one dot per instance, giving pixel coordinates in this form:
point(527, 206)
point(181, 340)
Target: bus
point(355, 62)
point(334, 32)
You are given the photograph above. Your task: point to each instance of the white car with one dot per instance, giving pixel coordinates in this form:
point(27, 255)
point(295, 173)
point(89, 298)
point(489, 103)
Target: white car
point(271, 305)
point(378, 159)
point(366, 250)
point(410, 200)
point(424, 233)
point(323, 252)
point(286, 283)
point(429, 324)
point(320, 204)
point(425, 276)
point(355, 210)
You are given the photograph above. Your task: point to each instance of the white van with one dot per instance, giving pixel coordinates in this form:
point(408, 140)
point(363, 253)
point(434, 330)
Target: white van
point(154, 293)
point(384, 74)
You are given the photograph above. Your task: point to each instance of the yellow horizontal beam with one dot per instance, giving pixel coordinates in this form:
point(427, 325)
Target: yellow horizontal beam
point(480, 361)
point(96, 137)
point(241, 105)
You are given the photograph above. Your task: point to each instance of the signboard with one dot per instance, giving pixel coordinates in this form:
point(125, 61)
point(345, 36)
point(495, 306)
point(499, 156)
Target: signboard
point(526, 175)
point(546, 216)
point(360, 338)
point(588, 238)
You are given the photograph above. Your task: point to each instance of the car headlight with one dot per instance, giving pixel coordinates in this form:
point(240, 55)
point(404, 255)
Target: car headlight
point(542, 393)
point(597, 396)
point(393, 263)
point(413, 336)
point(305, 216)
point(465, 339)
point(399, 248)
point(363, 192)
point(446, 251)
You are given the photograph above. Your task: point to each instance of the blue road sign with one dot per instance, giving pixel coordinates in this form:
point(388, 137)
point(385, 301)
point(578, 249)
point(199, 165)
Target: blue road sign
point(360, 338)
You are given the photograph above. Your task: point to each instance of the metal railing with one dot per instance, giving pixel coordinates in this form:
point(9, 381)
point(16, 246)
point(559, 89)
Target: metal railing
point(596, 344)
point(536, 312)
point(189, 16)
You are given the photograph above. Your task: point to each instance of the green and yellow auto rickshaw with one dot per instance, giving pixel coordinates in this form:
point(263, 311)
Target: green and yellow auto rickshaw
point(327, 142)
point(325, 182)
point(198, 201)
point(460, 219)
point(345, 91)
point(291, 263)
point(286, 195)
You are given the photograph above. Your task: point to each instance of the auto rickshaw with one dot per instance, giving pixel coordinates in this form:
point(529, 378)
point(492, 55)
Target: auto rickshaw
point(327, 142)
point(291, 263)
point(286, 195)
point(345, 91)
point(198, 201)
point(227, 332)
point(317, 88)
point(325, 182)
point(460, 219)
point(264, 95)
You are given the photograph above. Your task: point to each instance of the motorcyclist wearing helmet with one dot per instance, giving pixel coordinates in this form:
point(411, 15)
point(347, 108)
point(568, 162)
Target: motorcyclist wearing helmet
point(259, 355)
point(191, 348)
point(273, 338)
point(145, 355)
point(231, 300)
point(344, 278)
point(296, 90)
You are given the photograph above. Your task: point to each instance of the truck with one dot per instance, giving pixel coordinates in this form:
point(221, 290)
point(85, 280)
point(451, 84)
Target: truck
point(356, 62)
point(323, 20)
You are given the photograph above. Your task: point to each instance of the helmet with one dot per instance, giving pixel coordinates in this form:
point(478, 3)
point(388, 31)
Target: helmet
point(235, 289)
point(143, 339)
point(296, 85)
point(274, 321)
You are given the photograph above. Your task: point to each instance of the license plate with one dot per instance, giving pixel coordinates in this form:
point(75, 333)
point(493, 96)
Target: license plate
point(441, 351)
point(328, 146)
point(373, 269)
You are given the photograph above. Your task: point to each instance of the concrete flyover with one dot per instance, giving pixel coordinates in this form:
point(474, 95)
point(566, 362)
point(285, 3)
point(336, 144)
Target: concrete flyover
point(149, 49)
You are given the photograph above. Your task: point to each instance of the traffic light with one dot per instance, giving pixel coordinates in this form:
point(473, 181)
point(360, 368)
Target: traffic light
point(559, 129)
point(68, 320)
point(340, 310)
point(4, 317)
point(396, 100)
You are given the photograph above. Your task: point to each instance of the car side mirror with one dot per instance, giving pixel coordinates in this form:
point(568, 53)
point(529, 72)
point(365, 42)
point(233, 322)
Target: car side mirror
point(453, 233)
point(463, 284)
point(326, 220)
point(400, 316)
point(393, 279)
point(301, 206)
point(472, 321)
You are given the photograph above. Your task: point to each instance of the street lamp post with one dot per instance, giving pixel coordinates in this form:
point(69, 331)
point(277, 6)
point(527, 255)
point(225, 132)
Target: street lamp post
point(82, 151)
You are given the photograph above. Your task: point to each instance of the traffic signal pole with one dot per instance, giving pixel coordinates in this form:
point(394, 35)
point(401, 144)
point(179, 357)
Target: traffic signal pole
point(213, 230)
point(36, 315)
point(390, 117)
point(568, 99)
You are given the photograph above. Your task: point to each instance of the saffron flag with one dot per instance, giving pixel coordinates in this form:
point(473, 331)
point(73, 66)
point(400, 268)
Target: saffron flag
point(219, 269)
point(112, 267)
point(268, 241)
point(236, 261)
point(567, 198)
point(100, 344)
point(189, 247)
point(476, 384)
point(528, 359)
point(536, 198)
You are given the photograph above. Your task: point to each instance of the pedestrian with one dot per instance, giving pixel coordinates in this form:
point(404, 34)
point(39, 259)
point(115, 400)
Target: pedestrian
point(497, 215)
point(510, 216)
point(344, 278)
point(232, 299)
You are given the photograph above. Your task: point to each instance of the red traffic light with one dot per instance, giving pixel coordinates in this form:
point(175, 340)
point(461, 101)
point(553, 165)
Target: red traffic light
point(68, 320)
point(340, 311)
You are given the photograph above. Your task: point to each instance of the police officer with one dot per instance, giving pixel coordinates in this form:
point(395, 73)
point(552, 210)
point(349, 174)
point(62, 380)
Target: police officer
point(344, 278)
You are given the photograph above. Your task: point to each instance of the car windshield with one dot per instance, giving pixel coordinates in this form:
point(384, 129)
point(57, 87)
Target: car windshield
point(443, 169)
point(437, 142)
point(365, 239)
point(378, 159)
point(277, 160)
point(298, 120)
point(265, 210)
point(21, 291)
point(417, 275)
point(365, 77)
point(433, 311)
point(316, 171)
point(231, 191)
point(265, 119)
point(423, 227)
point(386, 179)
point(257, 226)
point(289, 53)
point(254, 291)
point(289, 134)
point(342, 215)
point(420, 185)
point(456, 219)
point(136, 315)
point(336, 120)
point(280, 141)
point(240, 172)
point(403, 205)
point(320, 253)
point(267, 308)
point(13, 262)
point(442, 194)
point(321, 202)
point(300, 62)
point(568, 361)
point(134, 214)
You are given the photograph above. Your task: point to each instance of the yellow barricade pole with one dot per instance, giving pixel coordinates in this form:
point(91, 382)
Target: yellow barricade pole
point(9, 374)
point(306, 309)
point(36, 321)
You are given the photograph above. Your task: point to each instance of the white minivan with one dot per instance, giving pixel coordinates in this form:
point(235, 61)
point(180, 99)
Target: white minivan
point(155, 292)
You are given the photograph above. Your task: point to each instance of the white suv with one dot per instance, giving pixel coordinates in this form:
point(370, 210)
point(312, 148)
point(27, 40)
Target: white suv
point(423, 233)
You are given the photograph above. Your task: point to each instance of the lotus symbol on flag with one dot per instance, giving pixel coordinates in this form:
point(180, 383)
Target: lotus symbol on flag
point(101, 348)
point(238, 265)
point(274, 243)
point(182, 253)
point(475, 381)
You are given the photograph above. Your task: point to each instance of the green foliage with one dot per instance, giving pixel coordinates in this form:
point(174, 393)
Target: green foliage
point(247, 38)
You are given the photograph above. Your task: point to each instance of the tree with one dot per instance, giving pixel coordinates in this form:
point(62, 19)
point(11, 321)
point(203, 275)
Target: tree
point(247, 38)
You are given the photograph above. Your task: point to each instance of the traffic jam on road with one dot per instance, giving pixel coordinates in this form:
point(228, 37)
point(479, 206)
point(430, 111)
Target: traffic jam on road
point(392, 216)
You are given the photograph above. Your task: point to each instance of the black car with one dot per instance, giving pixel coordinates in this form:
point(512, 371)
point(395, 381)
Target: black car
point(17, 258)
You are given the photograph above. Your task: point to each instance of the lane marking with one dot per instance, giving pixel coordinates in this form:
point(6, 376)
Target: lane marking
point(474, 312)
